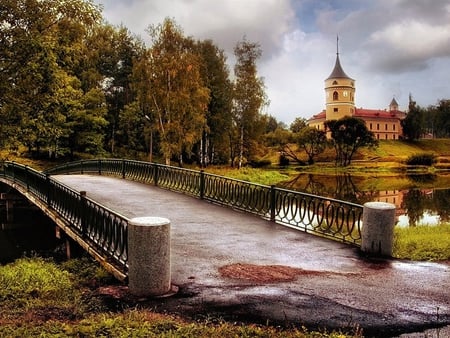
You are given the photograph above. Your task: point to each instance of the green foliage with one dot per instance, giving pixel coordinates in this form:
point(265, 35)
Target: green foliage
point(259, 163)
point(348, 134)
point(216, 77)
point(312, 141)
point(255, 175)
point(248, 99)
point(33, 278)
point(421, 159)
point(414, 122)
point(423, 243)
point(298, 124)
point(86, 270)
point(39, 299)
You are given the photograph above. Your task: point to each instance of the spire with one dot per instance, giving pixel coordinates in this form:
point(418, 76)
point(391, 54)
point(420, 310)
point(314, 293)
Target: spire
point(337, 45)
point(393, 105)
point(338, 72)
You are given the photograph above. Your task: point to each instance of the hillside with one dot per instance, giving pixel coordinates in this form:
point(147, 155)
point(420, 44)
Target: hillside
point(389, 154)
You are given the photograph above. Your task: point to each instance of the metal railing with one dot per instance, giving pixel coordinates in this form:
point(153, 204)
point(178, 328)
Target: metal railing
point(327, 217)
point(104, 230)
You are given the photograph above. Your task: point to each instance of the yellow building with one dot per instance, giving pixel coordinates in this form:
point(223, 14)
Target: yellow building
point(340, 102)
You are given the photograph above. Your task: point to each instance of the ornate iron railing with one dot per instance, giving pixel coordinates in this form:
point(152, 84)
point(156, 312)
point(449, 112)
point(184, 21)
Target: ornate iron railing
point(327, 217)
point(104, 230)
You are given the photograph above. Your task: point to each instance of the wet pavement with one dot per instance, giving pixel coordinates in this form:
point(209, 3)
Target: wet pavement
point(334, 286)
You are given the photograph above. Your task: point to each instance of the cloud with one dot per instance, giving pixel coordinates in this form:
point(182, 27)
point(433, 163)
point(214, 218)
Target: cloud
point(390, 47)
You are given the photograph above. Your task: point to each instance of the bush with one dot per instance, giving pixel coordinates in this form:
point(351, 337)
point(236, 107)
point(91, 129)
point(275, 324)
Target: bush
point(283, 161)
point(259, 163)
point(421, 159)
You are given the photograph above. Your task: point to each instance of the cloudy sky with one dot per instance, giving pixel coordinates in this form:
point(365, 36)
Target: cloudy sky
point(390, 47)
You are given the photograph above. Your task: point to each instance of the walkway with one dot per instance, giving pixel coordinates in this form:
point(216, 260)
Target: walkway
point(321, 282)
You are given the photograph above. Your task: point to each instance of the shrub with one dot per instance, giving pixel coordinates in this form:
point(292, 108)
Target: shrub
point(421, 159)
point(283, 161)
point(259, 163)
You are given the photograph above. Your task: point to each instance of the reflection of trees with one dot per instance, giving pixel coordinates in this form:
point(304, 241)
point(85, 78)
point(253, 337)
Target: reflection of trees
point(414, 205)
point(415, 202)
point(340, 186)
point(422, 178)
point(440, 202)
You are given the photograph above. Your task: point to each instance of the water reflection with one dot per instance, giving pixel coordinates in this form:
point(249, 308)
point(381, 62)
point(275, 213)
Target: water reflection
point(414, 206)
point(24, 230)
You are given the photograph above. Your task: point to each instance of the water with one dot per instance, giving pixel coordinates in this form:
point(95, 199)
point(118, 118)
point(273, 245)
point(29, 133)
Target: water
point(25, 231)
point(419, 199)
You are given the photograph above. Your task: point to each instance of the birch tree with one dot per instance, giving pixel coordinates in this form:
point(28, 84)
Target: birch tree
point(177, 97)
point(248, 99)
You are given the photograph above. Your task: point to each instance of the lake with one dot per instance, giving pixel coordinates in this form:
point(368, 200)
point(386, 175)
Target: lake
point(419, 199)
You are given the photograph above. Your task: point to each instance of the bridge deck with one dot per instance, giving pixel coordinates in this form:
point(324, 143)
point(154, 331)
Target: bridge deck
point(334, 286)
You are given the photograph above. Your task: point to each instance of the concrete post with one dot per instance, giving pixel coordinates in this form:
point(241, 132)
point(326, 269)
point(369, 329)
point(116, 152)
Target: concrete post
point(149, 256)
point(377, 234)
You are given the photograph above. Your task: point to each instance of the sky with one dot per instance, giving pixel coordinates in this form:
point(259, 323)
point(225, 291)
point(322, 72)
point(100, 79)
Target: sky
point(392, 48)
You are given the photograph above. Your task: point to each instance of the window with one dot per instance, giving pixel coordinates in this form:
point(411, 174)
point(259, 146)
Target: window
point(335, 96)
point(335, 83)
point(386, 136)
point(385, 127)
point(393, 127)
point(370, 128)
point(336, 110)
point(393, 137)
point(378, 126)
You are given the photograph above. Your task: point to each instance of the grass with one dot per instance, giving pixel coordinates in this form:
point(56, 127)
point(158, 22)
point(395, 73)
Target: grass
point(254, 175)
point(423, 243)
point(39, 298)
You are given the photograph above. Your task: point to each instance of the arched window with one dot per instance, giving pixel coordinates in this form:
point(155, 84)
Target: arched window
point(335, 96)
point(335, 83)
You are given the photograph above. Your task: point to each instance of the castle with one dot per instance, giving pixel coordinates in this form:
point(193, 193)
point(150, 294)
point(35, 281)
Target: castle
point(340, 102)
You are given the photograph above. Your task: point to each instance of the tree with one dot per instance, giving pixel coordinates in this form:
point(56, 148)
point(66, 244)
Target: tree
point(110, 53)
point(298, 124)
point(41, 48)
point(348, 134)
point(215, 75)
point(413, 124)
point(248, 99)
point(438, 119)
point(174, 90)
point(312, 141)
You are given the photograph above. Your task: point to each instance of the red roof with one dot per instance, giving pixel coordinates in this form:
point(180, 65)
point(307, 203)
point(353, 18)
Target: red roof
point(378, 113)
point(367, 113)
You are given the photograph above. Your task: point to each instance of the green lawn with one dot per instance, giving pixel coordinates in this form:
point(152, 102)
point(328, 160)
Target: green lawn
point(423, 243)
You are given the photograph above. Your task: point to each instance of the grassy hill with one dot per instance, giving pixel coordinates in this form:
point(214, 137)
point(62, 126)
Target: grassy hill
point(389, 155)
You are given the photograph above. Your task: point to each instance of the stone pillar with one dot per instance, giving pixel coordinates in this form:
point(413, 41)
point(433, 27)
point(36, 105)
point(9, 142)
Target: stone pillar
point(377, 234)
point(149, 256)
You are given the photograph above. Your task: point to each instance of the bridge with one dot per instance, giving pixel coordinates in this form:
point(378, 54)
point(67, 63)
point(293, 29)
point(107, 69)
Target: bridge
point(102, 231)
point(261, 227)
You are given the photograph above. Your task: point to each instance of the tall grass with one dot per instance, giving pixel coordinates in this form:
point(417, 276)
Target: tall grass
point(423, 243)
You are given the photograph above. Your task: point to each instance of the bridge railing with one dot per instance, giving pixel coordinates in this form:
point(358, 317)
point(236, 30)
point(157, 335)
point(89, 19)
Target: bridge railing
point(101, 228)
point(327, 217)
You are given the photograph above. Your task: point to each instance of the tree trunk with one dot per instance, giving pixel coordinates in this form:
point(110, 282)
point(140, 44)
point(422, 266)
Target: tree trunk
point(241, 148)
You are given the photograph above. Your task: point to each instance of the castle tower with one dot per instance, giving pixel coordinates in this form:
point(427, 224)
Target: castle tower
point(393, 106)
point(339, 91)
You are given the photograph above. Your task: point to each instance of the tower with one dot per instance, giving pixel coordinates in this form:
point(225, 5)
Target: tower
point(339, 92)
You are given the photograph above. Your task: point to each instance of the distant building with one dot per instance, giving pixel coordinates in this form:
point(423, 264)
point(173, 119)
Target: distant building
point(340, 102)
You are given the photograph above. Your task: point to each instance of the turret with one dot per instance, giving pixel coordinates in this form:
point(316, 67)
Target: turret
point(339, 91)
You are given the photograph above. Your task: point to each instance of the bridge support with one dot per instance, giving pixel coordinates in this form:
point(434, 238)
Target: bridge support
point(149, 256)
point(377, 234)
